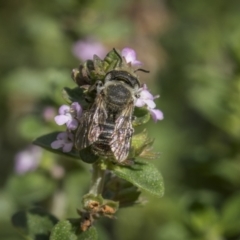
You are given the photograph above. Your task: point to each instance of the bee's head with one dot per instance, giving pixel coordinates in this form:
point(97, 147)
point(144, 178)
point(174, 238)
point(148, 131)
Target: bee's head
point(123, 76)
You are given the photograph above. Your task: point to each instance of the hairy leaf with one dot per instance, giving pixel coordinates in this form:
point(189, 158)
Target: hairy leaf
point(69, 230)
point(35, 223)
point(142, 174)
point(121, 191)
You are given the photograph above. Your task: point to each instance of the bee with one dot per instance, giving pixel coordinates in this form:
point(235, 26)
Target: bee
point(107, 126)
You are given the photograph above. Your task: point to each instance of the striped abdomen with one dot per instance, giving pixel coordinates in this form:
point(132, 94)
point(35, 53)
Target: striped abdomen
point(101, 146)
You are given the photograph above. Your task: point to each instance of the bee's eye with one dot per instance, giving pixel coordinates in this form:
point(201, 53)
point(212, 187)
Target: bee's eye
point(137, 95)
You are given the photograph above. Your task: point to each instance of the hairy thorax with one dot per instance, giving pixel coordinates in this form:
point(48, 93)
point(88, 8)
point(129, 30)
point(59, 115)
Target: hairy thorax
point(117, 97)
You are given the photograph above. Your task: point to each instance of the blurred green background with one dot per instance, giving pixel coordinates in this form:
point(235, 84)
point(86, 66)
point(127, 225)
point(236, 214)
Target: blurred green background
point(192, 49)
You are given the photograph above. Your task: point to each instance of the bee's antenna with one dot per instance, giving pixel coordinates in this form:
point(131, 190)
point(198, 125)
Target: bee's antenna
point(142, 70)
point(119, 56)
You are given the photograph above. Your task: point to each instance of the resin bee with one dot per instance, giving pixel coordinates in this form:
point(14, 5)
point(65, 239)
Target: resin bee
point(107, 125)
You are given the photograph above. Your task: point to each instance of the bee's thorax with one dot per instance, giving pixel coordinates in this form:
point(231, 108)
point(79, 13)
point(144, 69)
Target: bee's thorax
point(117, 96)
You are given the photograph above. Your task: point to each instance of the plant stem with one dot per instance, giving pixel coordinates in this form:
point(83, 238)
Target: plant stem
point(98, 176)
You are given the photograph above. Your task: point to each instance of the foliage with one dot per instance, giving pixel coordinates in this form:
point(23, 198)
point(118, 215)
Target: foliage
point(192, 50)
point(141, 175)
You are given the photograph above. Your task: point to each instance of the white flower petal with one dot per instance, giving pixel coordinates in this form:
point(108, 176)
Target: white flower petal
point(139, 103)
point(136, 63)
point(72, 125)
point(57, 144)
point(156, 114)
point(64, 109)
point(62, 136)
point(49, 113)
point(150, 103)
point(61, 119)
point(129, 54)
point(28, 159)
point(146, 95)
point(25, 162)
point(85, 49)
point(77, 109)
point(67, 147)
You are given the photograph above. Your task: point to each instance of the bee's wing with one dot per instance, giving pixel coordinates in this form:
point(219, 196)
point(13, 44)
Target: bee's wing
point(81, 136)
point(97, 119)
point(122, 134)
point(89, 127)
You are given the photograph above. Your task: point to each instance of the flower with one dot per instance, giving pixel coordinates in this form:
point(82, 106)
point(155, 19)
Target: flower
point(69, 115)
point(130, 56)
point(57, 171)
point(85, 49)
point(64, 141)
point(156, 114)
point(28, 159)
point(48, 113)
point(146, 98)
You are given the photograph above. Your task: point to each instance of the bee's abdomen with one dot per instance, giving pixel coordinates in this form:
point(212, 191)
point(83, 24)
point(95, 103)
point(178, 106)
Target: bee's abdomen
point(101, 146)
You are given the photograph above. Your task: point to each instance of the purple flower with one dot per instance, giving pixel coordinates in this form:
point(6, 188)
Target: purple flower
point(64, 141)
point(156, 114)
point(146, 98)
point(28, 159)
point(130, 56)
point(69, 115)
point(49, 113)
point(57, 171)
point(85, 49)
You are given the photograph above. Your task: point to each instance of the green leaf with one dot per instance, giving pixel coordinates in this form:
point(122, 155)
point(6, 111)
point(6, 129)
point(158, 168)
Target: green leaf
point(111, 61)
point(142, 116)
point(85, 155)
point(142, 174)
point(142, 146)
point(30, 187)
point(35, 223)
point(230, 220)
point(98, 67)
point(90, 234)
point(63, 231)
point(75, 95)
point(121, 191)
point(46, 140)
point(69, 230)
